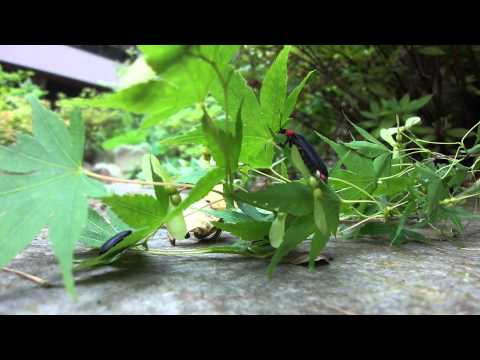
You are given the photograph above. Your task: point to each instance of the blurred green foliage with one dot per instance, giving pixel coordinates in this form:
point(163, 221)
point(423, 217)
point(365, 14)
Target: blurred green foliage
point(372, 84)
point(15, 112)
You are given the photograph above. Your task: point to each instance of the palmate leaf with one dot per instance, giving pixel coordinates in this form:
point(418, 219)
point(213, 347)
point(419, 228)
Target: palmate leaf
point(98, 229)
point(139, 211)
point(44, 186)
point(273, 93)
point(299, 230)
point(255, 133)
point(201, 189)
point(161, 57)
point(184, 79)
point(225, 147)
point(293, 198)
point(249, 230)
point(293, 97)
point(145, 214)
point(153, 172)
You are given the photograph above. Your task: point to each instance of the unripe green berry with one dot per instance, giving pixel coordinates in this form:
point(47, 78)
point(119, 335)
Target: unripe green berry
point(171, 189)
point(176, 199)
point(317, 193)
point(313, 182)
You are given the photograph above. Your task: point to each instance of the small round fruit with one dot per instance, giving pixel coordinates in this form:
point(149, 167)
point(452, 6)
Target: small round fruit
point(171, 189)
point(176, 199)
point(313, 182)
point(317, 193)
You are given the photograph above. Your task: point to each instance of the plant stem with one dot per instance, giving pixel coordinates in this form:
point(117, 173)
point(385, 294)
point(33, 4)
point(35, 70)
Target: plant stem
point(356, 187)
point(27, 276)
point(200, 251)
point(361, 222)
point(136, 182)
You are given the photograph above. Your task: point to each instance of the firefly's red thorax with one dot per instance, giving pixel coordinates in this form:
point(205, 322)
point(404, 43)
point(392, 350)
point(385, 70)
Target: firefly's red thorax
point(287, 132)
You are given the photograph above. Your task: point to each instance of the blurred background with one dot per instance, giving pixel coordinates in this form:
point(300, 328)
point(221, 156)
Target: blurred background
point(368, 84)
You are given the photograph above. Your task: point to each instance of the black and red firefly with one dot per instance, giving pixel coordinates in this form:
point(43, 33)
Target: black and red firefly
point(307, 152)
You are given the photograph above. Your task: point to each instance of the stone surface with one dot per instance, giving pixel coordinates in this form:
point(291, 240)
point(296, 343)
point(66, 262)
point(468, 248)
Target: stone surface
point(364, 277)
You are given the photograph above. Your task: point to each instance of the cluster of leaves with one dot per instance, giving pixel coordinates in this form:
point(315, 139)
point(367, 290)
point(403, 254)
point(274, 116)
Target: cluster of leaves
point(373, 180)
point(398, 187)
point(15, 112)
point(372, 84)
point(105, 129)
point(102, 125)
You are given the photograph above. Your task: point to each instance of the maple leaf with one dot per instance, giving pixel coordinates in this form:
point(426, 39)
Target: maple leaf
point(43, 184)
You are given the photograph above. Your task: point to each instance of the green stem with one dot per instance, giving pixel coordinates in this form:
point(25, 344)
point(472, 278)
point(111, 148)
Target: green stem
point(356, 187)
point(201, 251)
point(135, 182)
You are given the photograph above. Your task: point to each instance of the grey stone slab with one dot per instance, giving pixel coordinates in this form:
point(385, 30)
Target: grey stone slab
point(364, 277)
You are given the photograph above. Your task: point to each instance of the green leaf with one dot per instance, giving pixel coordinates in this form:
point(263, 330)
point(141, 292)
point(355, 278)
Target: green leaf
point(255, 148)
point(77, 133)
point(152, 171)
point(367, 148)
point(229, 216)
point(45, 186)
point(299, 230)
point(436, 192)
point(251, 230)
point(412, 122)
point(458, 132)
point(162, 57)
point(474, 150)
point(319, 215)
point(331, 206)
point(377, 229)
point(216, 141)
point(132, 137)
point(115, 252)
point(192, 137)
point(152, 97)
point(366, 135)
point(98, 230)
point(419, 103)
point(397, 237)
point(382, 165)
point(319, 242)
point(162, 112)
point(136, 73)
point(274, 91)
point(352, 160)
point(176, 227)
point(277, 230)
point(224, 146)
point(394, 185)
point(253, 212)
point(431, 51)
point(457, 178)
point(201, 189)
point(292, 198)
point(292, 99)
point(139, 211)
point(297, 161)
point(181, 85)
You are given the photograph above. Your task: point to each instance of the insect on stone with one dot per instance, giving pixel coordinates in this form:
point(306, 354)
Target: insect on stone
point(114, 241)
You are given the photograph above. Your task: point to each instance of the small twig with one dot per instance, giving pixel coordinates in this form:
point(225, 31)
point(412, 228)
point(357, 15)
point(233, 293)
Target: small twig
point(135, 182)
point(203, 207)
point(30, 277)
point(342, 311)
